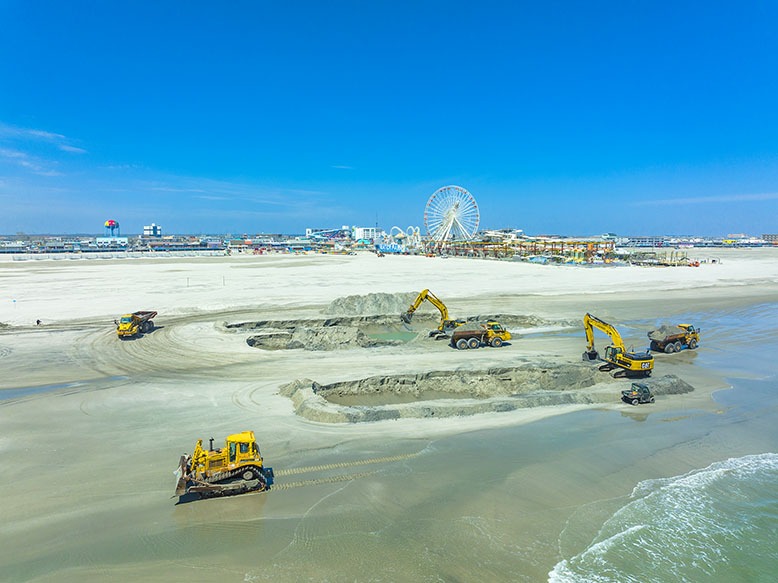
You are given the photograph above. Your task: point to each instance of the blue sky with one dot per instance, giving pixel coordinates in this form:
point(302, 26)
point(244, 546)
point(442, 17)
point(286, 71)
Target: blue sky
point(266, 116)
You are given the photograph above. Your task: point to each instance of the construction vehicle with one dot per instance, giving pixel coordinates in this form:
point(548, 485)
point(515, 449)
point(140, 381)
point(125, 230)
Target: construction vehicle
point(638, 393)
point(671, 339)
point(616, 355)
point(234, 469)
point(489, 334)
point(446, 323)
point(130, 325)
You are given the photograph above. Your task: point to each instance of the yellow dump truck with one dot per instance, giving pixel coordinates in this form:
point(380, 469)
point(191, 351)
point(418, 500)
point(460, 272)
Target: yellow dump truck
point(134, 324)
point(489, 334)
point(671, 339)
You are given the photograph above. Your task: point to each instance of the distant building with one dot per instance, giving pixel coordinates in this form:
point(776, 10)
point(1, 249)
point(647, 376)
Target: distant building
point(152, 230)
point(770, 238)
point(645, 241)
point(111, 242)
point(343, 233)
point(364, 233)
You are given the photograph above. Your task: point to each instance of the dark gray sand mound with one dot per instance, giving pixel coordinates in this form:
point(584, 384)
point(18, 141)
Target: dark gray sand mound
point(459, 393)
point(330, 338)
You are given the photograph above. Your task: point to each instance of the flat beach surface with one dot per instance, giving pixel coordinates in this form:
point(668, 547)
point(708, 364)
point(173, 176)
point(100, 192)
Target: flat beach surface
point(92, 427)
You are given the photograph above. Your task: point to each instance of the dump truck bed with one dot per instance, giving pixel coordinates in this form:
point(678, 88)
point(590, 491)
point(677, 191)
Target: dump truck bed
point(667, 334)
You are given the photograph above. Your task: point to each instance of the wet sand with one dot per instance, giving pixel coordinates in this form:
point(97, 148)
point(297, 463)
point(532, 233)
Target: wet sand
point(496, 496)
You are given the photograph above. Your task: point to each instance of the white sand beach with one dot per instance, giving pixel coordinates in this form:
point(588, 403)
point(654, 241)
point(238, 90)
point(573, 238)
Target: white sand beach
point(92, 427)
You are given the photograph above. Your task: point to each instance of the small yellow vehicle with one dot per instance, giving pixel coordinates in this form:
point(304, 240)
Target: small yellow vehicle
point(637, 393)
point(234, 469)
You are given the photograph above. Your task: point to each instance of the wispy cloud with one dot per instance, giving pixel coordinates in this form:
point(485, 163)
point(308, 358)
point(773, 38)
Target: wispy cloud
point(20, 135)
point(708, 199)
point(72, 149)
point(342, 167)
point(28, 162)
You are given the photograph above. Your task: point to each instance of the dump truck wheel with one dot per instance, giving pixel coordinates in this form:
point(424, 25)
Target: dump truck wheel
point(462, 344)
point(635, 401)
point(654, 345)
point(496, 342)
point(692, 344)
point(474, 343)
point(150, 325)
point(670, 348)
point(652, 400)
point(678, 347)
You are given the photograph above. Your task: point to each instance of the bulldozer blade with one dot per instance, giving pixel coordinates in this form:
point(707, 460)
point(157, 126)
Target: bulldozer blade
point(181, 472)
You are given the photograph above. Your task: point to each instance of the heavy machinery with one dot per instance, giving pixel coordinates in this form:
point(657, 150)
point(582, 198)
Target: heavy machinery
point(130, 325)
point(446, 323)
point(616, 355)
point(490, 334)
point(234, 469)
point(638, 393)
point(671, 339)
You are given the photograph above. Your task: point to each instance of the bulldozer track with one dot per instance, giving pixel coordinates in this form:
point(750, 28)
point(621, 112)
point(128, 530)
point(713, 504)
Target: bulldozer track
point(320, 481)
point(335, 466)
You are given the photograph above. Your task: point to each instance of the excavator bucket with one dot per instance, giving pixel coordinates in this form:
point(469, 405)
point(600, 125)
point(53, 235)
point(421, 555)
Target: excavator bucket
point(406, 317)
point(590, 356)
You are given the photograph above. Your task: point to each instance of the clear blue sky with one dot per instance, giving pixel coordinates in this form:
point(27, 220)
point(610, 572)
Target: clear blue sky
point(270, 116)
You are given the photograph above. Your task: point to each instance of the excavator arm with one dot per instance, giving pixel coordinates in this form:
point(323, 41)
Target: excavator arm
point(445, 321)
point(592, 322)
point(431, 298)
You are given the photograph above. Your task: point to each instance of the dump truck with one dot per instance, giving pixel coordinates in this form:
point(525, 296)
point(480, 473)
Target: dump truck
point(490, 334)
point(637, 393)
point(671, 339)
point(130, 325)
point(236, 468)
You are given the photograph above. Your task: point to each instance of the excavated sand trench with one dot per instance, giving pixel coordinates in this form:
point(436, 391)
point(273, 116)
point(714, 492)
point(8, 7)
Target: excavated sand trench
point(456, 393)
point(378, 324)
point(443, 393)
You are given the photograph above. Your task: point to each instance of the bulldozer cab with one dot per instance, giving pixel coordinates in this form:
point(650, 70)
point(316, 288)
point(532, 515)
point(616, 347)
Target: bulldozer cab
point(242, 447)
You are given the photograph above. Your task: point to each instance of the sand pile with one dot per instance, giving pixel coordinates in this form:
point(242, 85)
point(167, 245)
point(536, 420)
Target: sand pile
point(664, 331)
point(329, 338)
point(458, 393)
point(374, 303)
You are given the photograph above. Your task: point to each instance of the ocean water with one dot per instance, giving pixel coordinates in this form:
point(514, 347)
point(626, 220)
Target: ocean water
point(719, 523)
point(714, 523)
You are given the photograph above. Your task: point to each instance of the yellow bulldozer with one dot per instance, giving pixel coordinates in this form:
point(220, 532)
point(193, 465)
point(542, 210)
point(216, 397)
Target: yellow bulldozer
point(616, 355)
point(234, 469)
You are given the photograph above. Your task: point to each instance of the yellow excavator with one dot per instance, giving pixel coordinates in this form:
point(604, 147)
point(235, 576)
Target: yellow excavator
point(446, 323)
point(616, 355)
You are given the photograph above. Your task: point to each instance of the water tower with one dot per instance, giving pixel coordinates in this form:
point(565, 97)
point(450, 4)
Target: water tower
point(112, 228)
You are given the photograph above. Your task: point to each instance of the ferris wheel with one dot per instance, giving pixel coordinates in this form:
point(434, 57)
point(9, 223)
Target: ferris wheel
point(451, 214)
